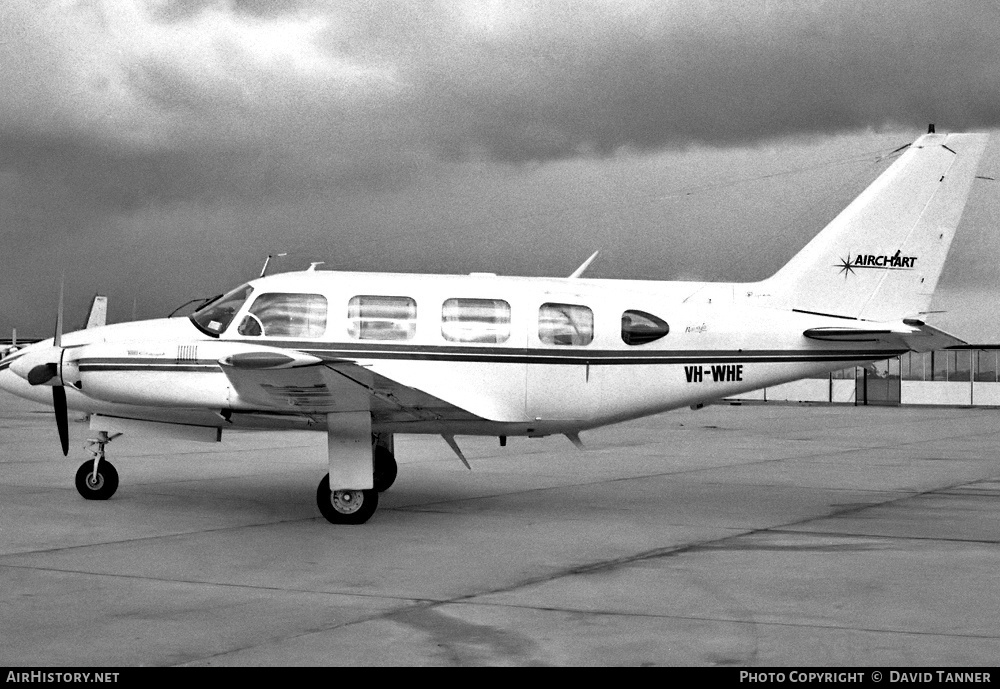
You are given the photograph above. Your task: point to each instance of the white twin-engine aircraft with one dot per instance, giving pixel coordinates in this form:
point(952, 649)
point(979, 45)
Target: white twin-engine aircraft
point(363, 356)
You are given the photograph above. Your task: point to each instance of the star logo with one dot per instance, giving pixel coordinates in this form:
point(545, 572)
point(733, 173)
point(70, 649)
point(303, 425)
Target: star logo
point(845, 266)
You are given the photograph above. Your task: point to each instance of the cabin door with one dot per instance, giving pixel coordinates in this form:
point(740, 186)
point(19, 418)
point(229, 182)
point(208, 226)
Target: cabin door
point(559, 378)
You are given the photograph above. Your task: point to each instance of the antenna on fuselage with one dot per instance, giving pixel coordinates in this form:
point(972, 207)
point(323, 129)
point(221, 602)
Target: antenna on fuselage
point(579, 271)
point(268, 260)
point(312, 266)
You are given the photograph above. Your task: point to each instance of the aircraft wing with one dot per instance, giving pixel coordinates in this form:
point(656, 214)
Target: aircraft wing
point(914, 335)
point(334, 386)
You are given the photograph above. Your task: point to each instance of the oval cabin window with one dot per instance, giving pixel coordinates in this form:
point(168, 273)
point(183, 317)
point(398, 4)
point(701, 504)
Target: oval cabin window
point(639, 327)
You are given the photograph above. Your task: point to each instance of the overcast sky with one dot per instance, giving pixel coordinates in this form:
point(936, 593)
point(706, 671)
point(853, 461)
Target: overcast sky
point(158, 150)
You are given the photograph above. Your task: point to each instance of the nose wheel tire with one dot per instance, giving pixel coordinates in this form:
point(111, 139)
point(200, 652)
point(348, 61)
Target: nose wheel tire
point(345, 506)
point(100, 487)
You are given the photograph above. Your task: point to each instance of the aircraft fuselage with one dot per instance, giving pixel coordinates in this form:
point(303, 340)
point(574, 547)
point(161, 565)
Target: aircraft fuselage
point(523, 356)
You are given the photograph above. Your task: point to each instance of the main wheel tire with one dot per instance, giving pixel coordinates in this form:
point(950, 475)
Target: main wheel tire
point(345, 506)
point(384, 468)
point(101, 488)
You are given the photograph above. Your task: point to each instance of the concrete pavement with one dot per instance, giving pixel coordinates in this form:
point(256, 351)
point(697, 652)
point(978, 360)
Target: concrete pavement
point(736, 536)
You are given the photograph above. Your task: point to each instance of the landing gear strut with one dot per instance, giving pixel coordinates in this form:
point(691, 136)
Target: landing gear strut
point(97, 479)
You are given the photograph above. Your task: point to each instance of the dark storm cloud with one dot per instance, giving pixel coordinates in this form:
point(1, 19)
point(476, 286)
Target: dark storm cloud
point(574, 79)
point(132, 102)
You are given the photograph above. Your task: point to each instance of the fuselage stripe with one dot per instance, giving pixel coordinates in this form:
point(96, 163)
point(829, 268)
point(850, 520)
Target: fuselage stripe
point(522, 356)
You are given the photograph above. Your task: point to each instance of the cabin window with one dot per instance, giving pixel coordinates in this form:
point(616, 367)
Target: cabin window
point(639, 327)
point(475, 320)
point(215, 316)
point(565, 324)
point(373, 317)
point(285, 315)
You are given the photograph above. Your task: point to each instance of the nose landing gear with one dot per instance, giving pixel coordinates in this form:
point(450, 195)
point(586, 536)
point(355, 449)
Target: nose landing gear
point(97, 479)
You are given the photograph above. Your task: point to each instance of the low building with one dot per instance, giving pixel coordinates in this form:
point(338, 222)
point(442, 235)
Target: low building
point(959, 376)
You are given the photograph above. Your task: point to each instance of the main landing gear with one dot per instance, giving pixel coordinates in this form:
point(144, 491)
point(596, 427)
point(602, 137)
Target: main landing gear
point(357, 505)
point(97, 479)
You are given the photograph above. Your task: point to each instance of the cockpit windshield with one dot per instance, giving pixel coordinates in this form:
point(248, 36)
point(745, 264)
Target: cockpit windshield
point(216, 316)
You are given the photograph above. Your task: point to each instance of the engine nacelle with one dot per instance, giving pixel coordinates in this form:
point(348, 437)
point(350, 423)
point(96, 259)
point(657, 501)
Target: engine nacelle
point(170, 374)
point(150, 374)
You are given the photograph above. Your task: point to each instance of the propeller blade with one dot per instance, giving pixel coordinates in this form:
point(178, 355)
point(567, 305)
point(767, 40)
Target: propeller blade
point(57, 340)
point(43, 373)
point(62, 417)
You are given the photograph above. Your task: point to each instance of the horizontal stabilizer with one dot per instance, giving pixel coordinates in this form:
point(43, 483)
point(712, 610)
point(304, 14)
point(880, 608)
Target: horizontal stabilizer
point(911, 334)
point(928, 338)
point(846, 334)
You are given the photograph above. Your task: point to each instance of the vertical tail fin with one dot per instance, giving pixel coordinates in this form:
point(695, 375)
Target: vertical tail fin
point(98, 314)
point(881, 257)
